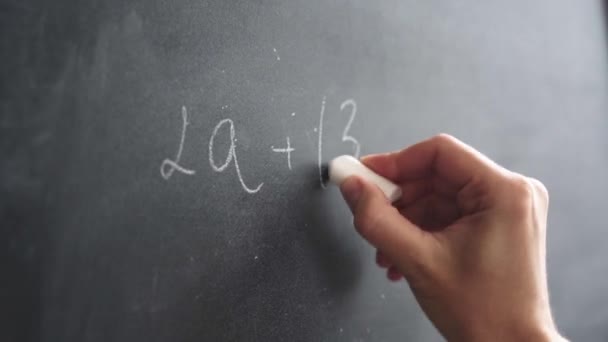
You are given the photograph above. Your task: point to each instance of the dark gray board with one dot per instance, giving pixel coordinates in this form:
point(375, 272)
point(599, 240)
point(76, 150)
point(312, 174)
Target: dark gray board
point(98, 246)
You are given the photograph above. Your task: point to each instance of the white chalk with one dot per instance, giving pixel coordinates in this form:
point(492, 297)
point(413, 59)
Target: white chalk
point(342, 167)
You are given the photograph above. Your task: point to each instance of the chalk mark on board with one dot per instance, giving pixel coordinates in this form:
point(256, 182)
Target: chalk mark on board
point(345, 136)
point(231, 155)
point(286, 150)
point(173, 165)
point(320, 144)
point(276, 54)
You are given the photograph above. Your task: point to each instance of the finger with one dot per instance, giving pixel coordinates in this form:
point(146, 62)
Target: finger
point(432, 212)
point(412, 191)
point(416, 212)
point(383, 226)
point(394, 274)
point(442, 155)
point(382, 260)
point(383, 164)
point(444, 188)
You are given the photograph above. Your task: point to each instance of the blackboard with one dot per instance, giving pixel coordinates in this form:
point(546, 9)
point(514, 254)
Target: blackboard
point(159, 159)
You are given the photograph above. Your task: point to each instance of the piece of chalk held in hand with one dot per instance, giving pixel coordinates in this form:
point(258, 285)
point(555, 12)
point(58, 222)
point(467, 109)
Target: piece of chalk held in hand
point(342, 167)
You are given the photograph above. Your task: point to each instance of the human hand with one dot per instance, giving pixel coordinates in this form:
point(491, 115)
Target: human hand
point(468, 236)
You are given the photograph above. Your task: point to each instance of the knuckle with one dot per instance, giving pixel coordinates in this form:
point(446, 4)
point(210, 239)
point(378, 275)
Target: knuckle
point(521, 193)
point(443, 139)
point(540, 189)
point(420, 267)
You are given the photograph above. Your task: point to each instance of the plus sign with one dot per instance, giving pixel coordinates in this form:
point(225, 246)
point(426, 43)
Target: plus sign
point(287, 150)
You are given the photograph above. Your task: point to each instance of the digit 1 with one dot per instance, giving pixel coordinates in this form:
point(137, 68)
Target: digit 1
point(320, 144)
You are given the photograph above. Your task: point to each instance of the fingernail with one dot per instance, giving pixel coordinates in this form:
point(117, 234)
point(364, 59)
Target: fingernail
point(351, 191)
point(368, 157)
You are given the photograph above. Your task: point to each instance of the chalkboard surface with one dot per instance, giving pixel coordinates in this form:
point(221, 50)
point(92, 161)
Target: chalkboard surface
point(159, 176)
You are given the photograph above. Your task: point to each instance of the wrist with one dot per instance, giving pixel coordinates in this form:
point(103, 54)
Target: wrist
point(536, 332)
point(541, 332)
point(547, 333)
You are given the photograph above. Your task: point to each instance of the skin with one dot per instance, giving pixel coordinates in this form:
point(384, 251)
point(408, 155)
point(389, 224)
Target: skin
point(468, 236)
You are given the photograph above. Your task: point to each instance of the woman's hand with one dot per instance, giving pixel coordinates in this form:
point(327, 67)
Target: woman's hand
point(468, 236)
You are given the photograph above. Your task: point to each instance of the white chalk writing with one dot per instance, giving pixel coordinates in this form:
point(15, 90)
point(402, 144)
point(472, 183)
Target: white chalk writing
point(231, 155)
point(320, 143)
point(168, 166)
point(345, 136)
point(286, 150)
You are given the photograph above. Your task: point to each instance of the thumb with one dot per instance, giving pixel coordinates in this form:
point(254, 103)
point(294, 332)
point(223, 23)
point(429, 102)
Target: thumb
point(384, 227)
